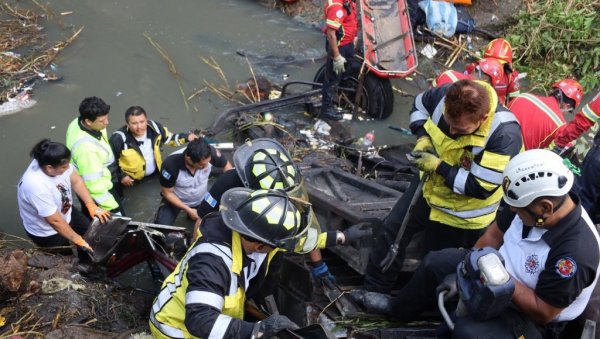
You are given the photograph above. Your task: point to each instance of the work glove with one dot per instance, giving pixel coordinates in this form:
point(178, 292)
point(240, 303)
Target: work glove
point(272, 325)
point(424, 144)
point(320, 272)
point(425, 162)
point(338, 64)
point(97, 212)
point(448, 285)
point(81, 243)
point(356, 232)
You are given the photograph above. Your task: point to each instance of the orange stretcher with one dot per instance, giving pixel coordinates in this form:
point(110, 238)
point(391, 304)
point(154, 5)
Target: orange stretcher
point(388, 41)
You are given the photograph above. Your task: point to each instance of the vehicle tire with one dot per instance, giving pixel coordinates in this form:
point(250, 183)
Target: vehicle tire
point(377, 98)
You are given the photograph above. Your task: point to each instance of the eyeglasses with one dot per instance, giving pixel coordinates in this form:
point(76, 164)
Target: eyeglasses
point(64, 199)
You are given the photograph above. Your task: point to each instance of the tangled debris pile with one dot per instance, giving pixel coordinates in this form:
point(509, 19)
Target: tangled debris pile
point(25, 54)
point(41, 296)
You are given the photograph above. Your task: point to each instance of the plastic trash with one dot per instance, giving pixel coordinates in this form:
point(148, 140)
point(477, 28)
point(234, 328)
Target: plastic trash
point(322, 127)
point(429, 51)
point(20, 102)
point(369, 138)
point(441, 17)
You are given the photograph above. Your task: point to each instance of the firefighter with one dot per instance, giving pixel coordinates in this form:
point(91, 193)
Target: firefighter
point(205, 295)
point(138, 144)
point(550, 247)
point(541, 118)
point(91, 153)
point(464, 141)
point(583, 120)
point(449, 77)
point(265, 164)
point(501, 50)
point(340, 30)
point(505, 83)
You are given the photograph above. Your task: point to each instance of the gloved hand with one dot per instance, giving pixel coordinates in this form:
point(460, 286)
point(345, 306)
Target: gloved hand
point(354, 233)
point(272, 325)
point(424, 144)
point(84, 245)
point(321, 272)
point(97, 212)
point(425, 162)
point(449, 285)
point(338, 64)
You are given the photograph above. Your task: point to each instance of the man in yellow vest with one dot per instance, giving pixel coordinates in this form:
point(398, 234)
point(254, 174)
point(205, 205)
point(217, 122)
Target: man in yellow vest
point(204, 297)
point(465, 138)
point(138, 144)
point(91, 153)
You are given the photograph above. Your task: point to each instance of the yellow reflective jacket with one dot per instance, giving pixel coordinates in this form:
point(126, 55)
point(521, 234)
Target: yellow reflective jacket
point(91, 154)
point(131, 161)
point(468, 195)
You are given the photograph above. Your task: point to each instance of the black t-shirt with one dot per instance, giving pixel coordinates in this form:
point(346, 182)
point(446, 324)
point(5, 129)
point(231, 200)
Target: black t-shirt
point(212, 199)
point(175, 163)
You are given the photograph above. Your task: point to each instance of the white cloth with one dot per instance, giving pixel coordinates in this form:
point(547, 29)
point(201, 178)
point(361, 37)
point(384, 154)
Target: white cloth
point(148, 153)
point(40, 196)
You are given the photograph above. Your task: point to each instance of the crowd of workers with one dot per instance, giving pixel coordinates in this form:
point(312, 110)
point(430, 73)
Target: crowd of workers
point(480, 142)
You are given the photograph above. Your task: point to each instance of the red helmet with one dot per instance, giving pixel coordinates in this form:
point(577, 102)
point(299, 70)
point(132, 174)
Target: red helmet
point(491, 67)
point(571, 89)
point(499, 49)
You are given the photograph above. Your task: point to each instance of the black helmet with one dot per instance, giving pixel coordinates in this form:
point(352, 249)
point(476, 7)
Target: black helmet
point(270, 217)
point(265, 164)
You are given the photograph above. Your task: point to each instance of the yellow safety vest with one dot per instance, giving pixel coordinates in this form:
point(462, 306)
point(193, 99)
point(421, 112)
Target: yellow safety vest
point(458, 210)
point(168, 311)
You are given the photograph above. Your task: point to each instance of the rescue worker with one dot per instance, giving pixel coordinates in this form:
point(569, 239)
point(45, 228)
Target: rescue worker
point(91, 153)
point(266, 164)
point(541, 118)
point(583, 120)
point(204, 297)
point(138, 145)
point(45, 199)
point(505, 83)
point(550, 247)
point(184, 180)
point(340, 30)
point(449, 77)
point(465, 138)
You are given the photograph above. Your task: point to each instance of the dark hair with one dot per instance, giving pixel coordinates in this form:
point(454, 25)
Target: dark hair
point(562, 98)
point(466, 97)
point(197, 150)
point(51, 153)
point(93, 107)
point(134, 110)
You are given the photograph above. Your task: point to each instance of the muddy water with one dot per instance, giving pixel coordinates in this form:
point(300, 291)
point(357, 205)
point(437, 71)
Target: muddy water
point(113, 60)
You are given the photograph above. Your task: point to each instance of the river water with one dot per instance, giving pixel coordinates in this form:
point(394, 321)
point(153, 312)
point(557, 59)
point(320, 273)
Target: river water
point(113, 60)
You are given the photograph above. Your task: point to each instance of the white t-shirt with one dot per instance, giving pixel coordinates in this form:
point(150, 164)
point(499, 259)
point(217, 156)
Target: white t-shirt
point(148, 153)
point(40, 196)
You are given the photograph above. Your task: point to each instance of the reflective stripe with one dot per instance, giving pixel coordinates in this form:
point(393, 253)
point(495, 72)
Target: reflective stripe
point(166, 329)
point(499, 118)
point(589, 113)
point(220, 327)
point(103, 197)
point(421, 113)
point(438, 111)
point(460, 181)
point(450, 74)
point(109, 155)
point(470, 213)
point(92, 176)
point(486, 174)
point(333, 23)
point(203, 297)
point(541, 105)
point(124, 137)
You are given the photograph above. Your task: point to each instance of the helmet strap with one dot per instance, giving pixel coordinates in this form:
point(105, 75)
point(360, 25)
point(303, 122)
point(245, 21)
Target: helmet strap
point(539, 219)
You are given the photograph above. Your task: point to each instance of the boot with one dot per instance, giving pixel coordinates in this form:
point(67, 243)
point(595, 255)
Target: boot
point(373, 302)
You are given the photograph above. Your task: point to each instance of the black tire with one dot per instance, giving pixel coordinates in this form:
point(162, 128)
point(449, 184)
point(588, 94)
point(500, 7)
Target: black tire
point(377, 98)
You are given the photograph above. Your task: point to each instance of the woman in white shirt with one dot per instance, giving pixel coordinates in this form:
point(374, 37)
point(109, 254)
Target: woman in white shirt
point(45, 199)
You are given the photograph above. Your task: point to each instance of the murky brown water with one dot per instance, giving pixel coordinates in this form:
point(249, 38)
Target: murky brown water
point(113, 60)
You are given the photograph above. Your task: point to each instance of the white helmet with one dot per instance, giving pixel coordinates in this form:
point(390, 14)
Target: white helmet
point(533, 174)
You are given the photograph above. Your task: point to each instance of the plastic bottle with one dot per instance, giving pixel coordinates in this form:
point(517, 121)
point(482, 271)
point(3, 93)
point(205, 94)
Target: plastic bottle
point(369, 138)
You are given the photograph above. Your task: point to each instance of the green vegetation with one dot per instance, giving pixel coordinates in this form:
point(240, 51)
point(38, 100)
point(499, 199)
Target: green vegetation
point(554, 39)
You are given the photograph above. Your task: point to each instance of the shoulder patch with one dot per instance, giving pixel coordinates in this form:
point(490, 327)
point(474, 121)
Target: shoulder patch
point(339, 14)
point(566, 267)
point(165, 174)
point(210, 200)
